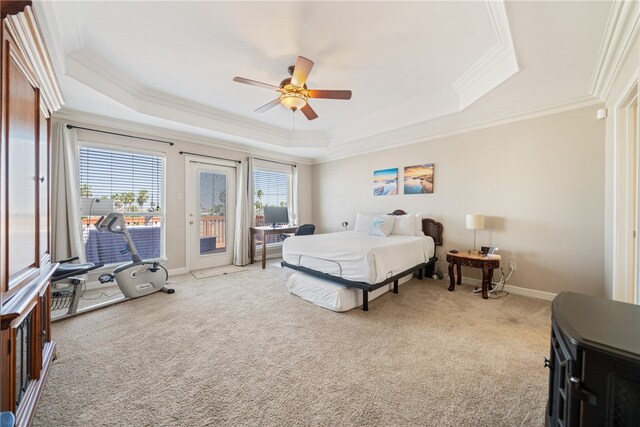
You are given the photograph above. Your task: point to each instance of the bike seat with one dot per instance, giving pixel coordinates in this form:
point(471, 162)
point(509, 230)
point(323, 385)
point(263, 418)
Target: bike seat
point(66, 270)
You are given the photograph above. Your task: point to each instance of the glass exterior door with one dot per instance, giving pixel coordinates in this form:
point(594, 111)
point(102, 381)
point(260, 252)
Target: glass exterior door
point(211, 215)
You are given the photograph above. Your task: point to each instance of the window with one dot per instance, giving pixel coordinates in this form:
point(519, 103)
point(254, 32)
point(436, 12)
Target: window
point(128, 182)
point(271, 187)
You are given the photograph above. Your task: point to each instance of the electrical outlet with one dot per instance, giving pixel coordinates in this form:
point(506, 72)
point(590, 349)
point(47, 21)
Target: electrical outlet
point(513, 265)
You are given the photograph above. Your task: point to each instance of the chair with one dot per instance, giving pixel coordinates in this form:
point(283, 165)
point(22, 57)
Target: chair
point(303, 230)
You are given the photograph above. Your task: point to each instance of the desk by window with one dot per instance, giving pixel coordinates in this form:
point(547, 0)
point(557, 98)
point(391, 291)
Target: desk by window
point(264, 232)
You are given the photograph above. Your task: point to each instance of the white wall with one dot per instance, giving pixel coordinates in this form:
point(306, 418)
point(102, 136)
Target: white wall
point(540, 182)
point(175, 172)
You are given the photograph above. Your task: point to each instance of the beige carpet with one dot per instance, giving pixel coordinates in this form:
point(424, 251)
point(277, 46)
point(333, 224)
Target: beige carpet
point(217, 271)
point(240, 350)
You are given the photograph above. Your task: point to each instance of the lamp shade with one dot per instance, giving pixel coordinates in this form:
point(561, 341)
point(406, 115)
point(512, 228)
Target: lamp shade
point(475, 222)
point(293, 101)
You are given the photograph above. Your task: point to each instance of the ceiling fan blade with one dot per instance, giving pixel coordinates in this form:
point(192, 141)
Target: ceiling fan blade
point(268, 106)
point(301, 71)
point(255, 83)
point(308, 112)
point(330, 94)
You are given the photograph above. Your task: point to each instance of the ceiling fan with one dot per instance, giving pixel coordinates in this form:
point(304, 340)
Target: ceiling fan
point(294, 93)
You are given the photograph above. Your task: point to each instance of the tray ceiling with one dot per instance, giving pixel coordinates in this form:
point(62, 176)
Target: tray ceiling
point(411, 66)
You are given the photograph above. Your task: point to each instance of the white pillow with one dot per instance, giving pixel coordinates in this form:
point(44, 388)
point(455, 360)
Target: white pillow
point(419, 232)
point(363, 221)
point(382, 225)
point(405, 225)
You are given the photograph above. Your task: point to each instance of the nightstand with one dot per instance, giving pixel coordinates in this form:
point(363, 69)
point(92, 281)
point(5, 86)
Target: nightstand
point(465, 258)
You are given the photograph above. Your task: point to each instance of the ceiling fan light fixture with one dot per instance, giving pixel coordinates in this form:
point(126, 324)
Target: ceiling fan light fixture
point(293, 100)
point(294, 94)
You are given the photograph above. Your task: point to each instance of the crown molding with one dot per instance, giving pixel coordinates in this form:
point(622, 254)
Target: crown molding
point(622, 29)
point(91, 70)
point(493, 68)
point(355, 149)
point(51, 32)
point(25, 31)
point(435, 106)
point(391, 126)
point(110, 124)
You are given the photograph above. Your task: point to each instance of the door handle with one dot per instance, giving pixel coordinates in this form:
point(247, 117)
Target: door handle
point(190, 222)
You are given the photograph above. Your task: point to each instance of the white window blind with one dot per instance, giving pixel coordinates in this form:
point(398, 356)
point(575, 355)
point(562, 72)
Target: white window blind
point(271, 188)
point(128, 182)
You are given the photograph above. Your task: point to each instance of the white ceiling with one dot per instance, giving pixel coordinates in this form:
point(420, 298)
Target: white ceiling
point(414, 67)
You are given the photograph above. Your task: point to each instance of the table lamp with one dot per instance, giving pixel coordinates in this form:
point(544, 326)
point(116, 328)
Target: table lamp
point(475, 222)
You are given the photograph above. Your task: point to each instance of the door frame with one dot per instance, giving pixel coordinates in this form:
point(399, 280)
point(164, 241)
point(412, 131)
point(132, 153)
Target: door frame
point(187, 171)
point(626, 212)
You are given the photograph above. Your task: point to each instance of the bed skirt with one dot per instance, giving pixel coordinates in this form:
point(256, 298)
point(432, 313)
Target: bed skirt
point(422, 268)
point(330, 295)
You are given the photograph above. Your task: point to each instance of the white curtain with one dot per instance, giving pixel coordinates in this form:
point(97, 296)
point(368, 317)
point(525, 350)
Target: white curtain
point(294, 195)
point(251, 209)
point(245, 217)
point(66, 235)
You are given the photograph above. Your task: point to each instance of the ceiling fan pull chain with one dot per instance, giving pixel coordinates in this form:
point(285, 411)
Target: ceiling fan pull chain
point(293, 121)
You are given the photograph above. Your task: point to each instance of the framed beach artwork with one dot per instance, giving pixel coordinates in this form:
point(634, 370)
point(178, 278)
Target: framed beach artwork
point(385, 182)
point(418, 179)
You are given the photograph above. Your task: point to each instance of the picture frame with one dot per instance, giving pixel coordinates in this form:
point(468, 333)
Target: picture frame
point(418, 179)
point(385, 182)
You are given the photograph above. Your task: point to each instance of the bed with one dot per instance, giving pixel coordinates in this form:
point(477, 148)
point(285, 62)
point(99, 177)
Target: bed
point(358, 260)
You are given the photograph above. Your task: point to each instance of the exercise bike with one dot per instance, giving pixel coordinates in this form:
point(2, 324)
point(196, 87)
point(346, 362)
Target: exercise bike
point(66, 295)
point(138, 277)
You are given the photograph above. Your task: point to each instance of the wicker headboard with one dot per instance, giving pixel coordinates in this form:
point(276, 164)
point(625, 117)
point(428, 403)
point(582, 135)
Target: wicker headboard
point(430, 227)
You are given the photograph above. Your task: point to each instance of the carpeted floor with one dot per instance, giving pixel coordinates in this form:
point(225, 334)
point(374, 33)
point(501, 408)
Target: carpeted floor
point(217, 271)
point(239, 349)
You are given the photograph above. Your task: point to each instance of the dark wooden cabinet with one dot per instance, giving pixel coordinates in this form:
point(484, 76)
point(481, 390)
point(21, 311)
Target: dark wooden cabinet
point(29, 93)
point(594, 377)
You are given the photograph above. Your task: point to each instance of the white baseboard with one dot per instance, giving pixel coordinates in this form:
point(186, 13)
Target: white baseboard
point(532, 293)
point(516, 290)
point(177, 271)
point(270, 255)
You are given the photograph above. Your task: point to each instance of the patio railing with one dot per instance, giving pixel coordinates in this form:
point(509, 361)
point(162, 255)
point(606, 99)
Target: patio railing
point(210, 226)
point(213, 226)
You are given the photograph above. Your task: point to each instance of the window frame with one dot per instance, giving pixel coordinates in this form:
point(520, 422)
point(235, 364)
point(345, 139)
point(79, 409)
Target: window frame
point(266, 166)
point(163, 190)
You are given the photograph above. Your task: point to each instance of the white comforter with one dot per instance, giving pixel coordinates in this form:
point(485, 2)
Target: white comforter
point(358, 256)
